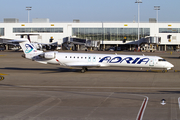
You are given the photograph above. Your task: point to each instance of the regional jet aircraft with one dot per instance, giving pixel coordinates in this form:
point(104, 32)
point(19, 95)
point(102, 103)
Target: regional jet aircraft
point(85, 60)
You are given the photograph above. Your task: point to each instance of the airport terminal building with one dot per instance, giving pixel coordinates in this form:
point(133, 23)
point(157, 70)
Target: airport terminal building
point(161, 36)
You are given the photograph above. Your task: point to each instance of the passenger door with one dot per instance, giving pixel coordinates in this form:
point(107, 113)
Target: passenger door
point(151, 62)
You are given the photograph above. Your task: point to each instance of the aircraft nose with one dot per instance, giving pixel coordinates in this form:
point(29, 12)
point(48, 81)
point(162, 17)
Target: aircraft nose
point(169, 66)
point(172, 65)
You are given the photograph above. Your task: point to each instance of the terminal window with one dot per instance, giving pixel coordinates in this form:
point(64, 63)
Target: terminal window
point(37, 30)
point(169, 30)
point(110, 34)
point(1, 31)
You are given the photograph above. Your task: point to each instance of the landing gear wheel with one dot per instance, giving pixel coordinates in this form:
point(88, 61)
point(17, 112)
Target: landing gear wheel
point(84, 69)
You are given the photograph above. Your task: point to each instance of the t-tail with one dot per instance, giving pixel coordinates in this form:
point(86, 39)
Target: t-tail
point(29, 50)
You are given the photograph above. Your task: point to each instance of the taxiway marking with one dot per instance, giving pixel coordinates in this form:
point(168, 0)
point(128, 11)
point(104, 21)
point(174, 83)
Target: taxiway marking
point(2, 55)
point(173, 109)
point(80, 87)
point(31, 109)
point(2, 74)
point(179, 102)
point(142, 109)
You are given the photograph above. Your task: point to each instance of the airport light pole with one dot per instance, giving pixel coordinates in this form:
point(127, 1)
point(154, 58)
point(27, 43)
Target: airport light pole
point(28, 9)
point(138, 1)
point(157, 8)
point(102, 36)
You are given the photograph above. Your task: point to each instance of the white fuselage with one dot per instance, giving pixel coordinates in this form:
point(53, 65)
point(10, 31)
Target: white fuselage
point(86, 60)
point(105, 60)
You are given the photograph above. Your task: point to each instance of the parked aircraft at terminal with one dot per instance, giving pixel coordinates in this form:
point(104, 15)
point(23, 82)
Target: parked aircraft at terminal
point(85, 60)
point(36, 45)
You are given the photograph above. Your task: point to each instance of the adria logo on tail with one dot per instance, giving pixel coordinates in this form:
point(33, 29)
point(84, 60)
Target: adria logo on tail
point(29, 48)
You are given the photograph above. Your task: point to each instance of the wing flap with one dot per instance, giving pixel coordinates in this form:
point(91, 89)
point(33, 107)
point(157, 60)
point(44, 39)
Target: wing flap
point(77, 64)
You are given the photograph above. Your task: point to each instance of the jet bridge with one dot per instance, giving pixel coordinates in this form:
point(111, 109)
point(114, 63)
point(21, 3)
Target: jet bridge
point(148, 44)
point(73, 43)
point(151, 45)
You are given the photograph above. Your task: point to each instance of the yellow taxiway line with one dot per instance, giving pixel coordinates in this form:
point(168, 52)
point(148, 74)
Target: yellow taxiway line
point(3, 74)
point(2, 55)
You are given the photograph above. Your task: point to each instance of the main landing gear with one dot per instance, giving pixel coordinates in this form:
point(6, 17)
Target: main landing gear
point(84, 69)
point(164, 70)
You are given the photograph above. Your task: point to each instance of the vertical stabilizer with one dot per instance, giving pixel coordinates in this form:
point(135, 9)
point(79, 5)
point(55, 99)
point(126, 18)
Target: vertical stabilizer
point(29, 50)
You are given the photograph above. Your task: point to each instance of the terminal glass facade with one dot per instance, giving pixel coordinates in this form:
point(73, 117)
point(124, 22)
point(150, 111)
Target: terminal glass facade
point(1, 31)
point(169, 30)
point(110, 34)
point(37, 30)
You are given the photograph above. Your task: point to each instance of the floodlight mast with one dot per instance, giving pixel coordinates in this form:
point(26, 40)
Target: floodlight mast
point(138, 1)
point(28, 9)
point(157, 8)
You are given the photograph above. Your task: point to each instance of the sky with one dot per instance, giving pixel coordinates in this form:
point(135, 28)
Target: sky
point(90, 10)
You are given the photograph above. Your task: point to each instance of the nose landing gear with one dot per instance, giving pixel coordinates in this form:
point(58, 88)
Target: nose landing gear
point(84, 69)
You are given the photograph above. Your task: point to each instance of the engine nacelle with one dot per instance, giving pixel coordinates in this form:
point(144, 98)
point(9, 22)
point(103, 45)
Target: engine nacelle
point(48, 55)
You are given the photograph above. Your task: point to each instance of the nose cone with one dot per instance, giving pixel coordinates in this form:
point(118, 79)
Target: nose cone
point(169, 66)
point(172, 65)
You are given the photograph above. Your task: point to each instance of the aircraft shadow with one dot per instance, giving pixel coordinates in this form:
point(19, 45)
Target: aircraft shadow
point(8, 85)
point(172, 57)
point(43, 70)
point(108, 70)
point(170, 92)
point(57, 70)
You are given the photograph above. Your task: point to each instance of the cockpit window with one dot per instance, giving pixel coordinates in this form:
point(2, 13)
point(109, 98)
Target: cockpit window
point(161, 60)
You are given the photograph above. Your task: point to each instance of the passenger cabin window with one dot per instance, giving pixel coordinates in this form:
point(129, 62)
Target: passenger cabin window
point(161, 60)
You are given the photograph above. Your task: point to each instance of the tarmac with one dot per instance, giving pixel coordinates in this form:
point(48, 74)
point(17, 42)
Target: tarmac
point(34, 91)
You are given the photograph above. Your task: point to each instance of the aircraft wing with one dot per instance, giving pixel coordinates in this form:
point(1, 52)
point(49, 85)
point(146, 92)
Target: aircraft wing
point(9, 40)
point(80, 64)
